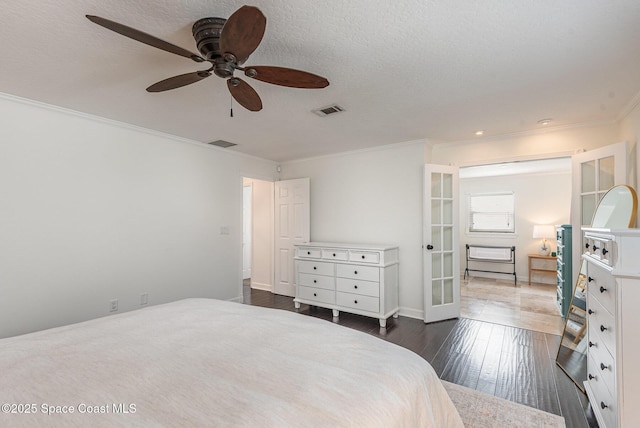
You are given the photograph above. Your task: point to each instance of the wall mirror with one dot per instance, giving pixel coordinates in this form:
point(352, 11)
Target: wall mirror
point(617, 210)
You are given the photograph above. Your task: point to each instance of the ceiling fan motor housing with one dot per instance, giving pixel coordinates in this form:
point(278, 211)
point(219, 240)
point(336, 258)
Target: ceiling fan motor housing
point(207, 32)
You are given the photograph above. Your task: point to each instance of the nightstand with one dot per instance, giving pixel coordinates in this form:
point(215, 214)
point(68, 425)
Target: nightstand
point(533, 257)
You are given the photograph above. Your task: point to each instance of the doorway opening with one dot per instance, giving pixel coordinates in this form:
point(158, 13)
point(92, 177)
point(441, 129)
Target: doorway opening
point(542, 196)
point(257, 235)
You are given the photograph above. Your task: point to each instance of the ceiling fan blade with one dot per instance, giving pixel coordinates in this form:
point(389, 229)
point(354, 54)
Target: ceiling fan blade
point(178, 81)
point(244, 94)
point(286, 77)
point(140, 36)
point(242, 33)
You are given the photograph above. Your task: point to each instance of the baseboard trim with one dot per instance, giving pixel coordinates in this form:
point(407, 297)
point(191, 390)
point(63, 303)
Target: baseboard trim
point(262, 286)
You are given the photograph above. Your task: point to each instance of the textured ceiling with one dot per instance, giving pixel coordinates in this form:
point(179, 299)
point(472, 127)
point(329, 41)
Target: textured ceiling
point(403, 70)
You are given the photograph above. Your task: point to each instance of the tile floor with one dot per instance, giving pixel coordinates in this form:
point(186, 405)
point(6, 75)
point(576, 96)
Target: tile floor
point(531, 307)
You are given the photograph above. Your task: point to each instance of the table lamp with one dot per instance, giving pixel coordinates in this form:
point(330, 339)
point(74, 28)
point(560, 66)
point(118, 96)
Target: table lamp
point(544, 231)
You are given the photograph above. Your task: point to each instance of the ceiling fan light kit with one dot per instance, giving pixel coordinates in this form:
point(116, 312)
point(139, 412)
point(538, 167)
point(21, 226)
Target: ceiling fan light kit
point(226, 44)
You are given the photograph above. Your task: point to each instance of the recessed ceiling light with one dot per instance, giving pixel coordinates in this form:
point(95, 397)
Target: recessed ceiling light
point(544, 121)
point(478, 133)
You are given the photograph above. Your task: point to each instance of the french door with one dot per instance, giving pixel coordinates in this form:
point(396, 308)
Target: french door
point(441, 260)
point(593, 173)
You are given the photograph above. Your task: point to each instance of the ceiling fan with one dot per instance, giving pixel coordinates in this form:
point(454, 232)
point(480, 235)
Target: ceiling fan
point(226, 44)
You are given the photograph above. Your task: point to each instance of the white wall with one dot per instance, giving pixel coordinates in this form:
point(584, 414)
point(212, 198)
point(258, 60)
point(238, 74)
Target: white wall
point(93, 211)
point(539, 199)
point(630, 131)
point(526, 146)
point(371, 196)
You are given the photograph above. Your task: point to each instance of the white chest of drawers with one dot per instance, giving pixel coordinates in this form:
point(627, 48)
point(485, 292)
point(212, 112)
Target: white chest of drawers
point(613, 307)
point(360, 279)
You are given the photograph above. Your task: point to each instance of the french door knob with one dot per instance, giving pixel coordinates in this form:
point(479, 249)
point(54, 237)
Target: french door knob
point(429, 247)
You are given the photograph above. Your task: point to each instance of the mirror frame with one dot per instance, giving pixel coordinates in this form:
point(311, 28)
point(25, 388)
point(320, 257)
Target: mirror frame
point(633, 212)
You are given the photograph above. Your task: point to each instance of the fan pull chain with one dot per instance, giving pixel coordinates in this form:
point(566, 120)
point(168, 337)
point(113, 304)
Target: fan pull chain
point(231, 106)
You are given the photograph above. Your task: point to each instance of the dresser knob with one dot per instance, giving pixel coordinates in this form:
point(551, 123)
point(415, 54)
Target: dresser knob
point(602, 289)
point(604, 251)
point(591, 344)
point(591, 312)
point(591, 377)
point(603, 367)
point(308, 252)
point(594, 248)
point(604, 406)
point(363, 256)
point(355, 286)
point(315, 281)
point(355, 301)
point(586, 245)
point(602, 328)
point(355, 272)
point(314, 268)
point(334, 254)
point(315, 295)
point(589, 279)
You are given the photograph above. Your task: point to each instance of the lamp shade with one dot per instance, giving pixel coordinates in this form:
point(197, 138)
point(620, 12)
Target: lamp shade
point(544, 231)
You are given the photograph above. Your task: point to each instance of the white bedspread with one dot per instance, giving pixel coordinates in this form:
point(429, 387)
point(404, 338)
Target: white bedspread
point(202, 362)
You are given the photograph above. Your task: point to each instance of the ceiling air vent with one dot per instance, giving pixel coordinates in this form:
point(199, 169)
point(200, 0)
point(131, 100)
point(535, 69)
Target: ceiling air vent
point(326, 111)
point(222, 143)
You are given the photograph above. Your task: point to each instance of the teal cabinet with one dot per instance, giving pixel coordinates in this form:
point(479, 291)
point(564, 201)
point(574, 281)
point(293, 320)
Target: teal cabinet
point(565, 287)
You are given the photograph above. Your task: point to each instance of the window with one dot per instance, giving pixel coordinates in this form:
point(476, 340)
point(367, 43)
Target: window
point(491, 212)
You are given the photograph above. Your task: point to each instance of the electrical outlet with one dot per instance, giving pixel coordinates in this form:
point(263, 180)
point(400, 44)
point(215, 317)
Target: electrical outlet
point(113, 305)
point(144, 299)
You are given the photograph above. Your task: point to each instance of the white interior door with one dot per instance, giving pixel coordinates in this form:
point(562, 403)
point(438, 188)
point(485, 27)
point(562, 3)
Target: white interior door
point(593, 173)
point(246, 231)
point(441, 258)
point(292, 226)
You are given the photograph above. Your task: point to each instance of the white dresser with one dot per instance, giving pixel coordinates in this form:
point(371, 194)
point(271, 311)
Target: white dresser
point(613, 305)
point(360, 279)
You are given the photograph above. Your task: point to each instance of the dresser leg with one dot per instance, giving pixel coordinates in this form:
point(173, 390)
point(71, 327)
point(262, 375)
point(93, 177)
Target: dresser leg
point(383, 322)
point(296, 305)
point(395, 315)
point(335, 313)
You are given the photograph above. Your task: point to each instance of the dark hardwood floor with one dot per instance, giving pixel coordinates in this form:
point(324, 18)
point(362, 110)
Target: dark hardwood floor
point(508, 362)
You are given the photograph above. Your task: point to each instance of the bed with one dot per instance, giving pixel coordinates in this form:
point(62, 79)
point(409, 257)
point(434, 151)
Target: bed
point(204, 362)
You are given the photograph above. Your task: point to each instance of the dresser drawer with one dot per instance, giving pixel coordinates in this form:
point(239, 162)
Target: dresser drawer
point(319, 295)
point(604, 399)
point(601, 325)
point(367, 273)
point(319, 281)
point(333, 254)
point(601, 365)
point(318, 268)
point(364, 256)
point(364, 303)
point(356, 286)
point(602, 286)
point(308, 252)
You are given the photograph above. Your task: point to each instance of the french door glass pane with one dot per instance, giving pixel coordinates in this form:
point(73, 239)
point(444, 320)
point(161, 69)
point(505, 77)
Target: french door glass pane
point(436, 212)
point(447, 211)
point(436, 238)
point(447, 186)
point(606, 173)
point(447, 262)
point(588, 208)
point(588, 177)
point(436, 185)
point(448, 291)
point(436, 292)
point(447, 238)
point(436, 265)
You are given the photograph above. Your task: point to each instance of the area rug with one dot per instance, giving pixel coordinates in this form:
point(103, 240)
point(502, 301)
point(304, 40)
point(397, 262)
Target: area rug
point(479, 410)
